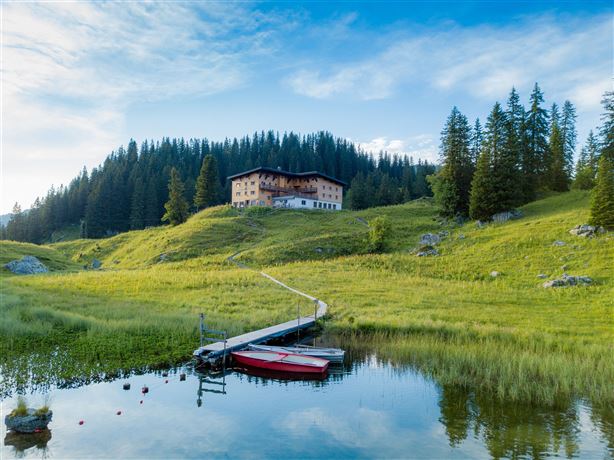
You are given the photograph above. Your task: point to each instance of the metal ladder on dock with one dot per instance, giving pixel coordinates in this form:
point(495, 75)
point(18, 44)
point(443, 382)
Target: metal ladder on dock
point(221, 334)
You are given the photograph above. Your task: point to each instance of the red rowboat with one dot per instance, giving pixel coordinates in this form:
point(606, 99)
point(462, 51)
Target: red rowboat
point(284, 362)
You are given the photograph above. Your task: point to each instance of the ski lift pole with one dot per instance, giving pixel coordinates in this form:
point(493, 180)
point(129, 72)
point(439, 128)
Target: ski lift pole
point(202, 328)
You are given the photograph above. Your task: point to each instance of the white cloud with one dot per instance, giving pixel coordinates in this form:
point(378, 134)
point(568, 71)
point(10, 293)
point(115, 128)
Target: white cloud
point(571, 58)
point(70, 70)
point(421, 146)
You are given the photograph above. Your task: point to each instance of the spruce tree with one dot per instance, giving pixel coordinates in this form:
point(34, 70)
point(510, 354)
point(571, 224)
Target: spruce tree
point(476, 141)
point(534, 163)
point(207, 184)
point(453, 182)
point(482, 189)
point(586, 167)
point(602, 204)
point(176, 206)
point(137, 208)
point(569, 135)
point(559, 181)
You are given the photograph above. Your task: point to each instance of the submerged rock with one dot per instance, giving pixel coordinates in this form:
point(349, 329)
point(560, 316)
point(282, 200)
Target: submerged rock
point(568, 280)
point(28, 265)
point(30, 423)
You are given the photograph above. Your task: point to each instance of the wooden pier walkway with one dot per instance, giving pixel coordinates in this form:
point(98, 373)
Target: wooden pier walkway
point(215, 350)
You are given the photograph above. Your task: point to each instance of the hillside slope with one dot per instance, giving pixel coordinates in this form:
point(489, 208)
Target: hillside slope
point(447, 314)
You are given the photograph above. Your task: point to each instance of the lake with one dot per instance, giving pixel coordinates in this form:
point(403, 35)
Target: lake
point(366, 408)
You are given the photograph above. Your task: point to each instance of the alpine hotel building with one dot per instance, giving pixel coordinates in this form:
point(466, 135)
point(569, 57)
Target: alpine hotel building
point(281, 189)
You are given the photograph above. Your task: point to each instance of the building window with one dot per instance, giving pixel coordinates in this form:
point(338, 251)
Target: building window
point(336, 189)
point(334, 206)
point(253, 183)
point(315, 204)
point(336, 197)
point(330, 206)
point(319, 205)
point(261, 202)
point(303, 202)
point(253, 192)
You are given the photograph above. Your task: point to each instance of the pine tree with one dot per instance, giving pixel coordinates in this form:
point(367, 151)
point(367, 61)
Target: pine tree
point(586, 167)
point(137, 208)
point(476, 141)
point(569, 135)
point(176, 206)
point(534, 163)
point(559, 182)
point(453, 182)
point(482, 189)
point(602, 204)
point(207, 184)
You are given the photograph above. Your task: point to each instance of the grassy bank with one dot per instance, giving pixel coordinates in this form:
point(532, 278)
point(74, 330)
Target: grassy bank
point(446, 313)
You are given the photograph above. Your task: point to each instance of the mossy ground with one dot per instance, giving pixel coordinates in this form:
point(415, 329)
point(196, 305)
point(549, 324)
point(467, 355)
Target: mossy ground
point(445, 313)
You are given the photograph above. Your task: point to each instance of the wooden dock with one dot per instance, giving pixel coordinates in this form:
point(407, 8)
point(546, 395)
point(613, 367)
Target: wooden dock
point(214, 351)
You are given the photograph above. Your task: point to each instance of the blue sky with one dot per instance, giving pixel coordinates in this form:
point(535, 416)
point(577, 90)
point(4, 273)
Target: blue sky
point(79, 79)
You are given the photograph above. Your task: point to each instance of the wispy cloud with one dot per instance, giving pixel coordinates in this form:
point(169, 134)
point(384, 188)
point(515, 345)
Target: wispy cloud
point(571, 57)
point(421, 146)
point(70, 70)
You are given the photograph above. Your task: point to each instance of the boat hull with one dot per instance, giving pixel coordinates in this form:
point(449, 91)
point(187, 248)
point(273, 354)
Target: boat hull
point(333, 355)
point(256, 359)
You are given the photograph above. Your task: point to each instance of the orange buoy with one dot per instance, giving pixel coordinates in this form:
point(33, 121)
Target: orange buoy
point(145, 389)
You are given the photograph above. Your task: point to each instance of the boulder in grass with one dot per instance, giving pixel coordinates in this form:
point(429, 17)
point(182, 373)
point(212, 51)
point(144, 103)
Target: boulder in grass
point(568, 280)
point(542, 276)
point(31, 422)
point(559, 243)
point(96, 264)
point(507, 215)
point(495, 274)
point(28, 265)
point(427, 250)
point(586, 231)
point(429, 239)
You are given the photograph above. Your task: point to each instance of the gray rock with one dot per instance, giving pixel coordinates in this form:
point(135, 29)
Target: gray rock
point(430, 239)
point(564, 267)
point(586, 231)
point(480, 224)
point(507, 215)
point(559, 243)
point(568, 280)
point(163, 257)
point(96, 264)
point(542, 276)
point(427, 250)
point(28, 423)
point(28, 265)
point(461, 236)
point(319, 250)
point(495, 274)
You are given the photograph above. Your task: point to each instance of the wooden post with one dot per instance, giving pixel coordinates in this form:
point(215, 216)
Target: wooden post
point(298, 322)
point(202, 328)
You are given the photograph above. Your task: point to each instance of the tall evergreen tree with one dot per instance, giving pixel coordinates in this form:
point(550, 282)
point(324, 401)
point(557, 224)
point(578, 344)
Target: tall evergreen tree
point(586, 167)
point(602, 204)
point(453, 182)
point(536, 155)
point(569, 135)
point(137, 209)
point(176, 206)
point(207, 184)
point(482, 189)
point(476, 141)
point(559, 181)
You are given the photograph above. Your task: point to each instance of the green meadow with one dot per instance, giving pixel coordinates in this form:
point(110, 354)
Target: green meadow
point(446, 315)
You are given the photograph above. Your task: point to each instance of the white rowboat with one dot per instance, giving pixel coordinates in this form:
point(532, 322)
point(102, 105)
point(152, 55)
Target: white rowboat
point(330, 354)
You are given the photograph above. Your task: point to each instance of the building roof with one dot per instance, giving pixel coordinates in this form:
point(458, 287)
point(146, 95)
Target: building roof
point(286, 173)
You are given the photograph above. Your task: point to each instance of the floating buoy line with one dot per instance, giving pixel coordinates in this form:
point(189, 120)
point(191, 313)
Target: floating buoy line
point(145, 389)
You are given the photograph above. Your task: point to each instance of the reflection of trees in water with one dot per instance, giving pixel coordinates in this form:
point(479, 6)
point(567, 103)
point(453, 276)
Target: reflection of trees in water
point(509, 430)
point(24, 441)
point(603, 417)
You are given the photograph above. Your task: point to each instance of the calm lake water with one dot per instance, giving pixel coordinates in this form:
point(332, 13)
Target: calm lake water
point(365, 408)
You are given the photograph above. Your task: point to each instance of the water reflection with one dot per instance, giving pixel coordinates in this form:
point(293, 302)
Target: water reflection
point(21, 442)
point(367, 407)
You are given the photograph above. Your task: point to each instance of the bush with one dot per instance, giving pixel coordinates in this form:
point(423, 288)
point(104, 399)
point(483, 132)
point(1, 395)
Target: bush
point(379, 229)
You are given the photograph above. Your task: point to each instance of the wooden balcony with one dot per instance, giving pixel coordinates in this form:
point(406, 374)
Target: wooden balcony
point(289, 190)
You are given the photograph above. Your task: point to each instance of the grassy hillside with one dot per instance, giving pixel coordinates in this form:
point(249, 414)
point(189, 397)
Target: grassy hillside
point(52, 258)
point(446, 314)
